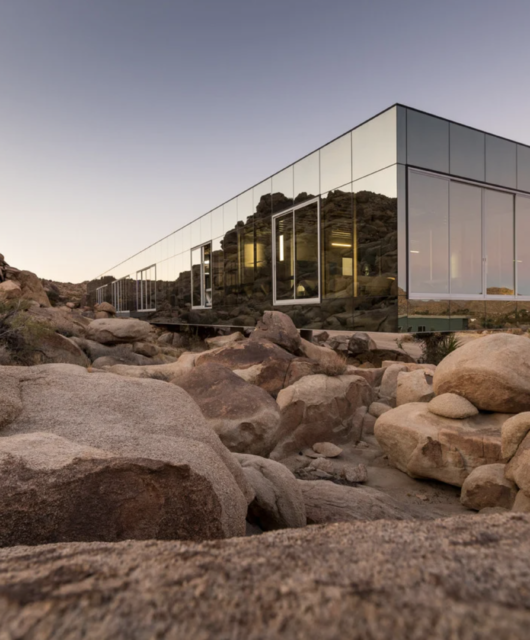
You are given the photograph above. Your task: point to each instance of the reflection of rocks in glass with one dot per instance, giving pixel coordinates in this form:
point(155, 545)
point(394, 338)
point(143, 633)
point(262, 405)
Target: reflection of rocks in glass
point(375, 217)
point(428, 315)
point(241, 267)
point(500, 314)
point(376, 314)
point(337, 244)
point(470, 314)
point(523, 315)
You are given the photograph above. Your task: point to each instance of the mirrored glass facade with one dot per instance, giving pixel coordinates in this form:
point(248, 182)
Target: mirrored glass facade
point(408, 222)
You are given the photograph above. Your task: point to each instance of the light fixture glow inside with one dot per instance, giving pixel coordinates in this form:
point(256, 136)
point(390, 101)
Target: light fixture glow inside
point(414, 251)
point(340, 244)
point(281, 249)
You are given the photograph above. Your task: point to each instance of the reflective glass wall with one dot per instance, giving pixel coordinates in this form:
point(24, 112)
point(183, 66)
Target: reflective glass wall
point(408, 222)
point(318, 241)
point(464, 214)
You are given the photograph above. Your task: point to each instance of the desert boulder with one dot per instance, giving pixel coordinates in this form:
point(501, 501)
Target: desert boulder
point(492, 372)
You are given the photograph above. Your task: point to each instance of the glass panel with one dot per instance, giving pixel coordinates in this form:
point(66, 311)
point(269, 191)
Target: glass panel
point(217, 273)
point(245, 207)
point(523, 315)
point(428, 315)
point(523, 245)
point(375, 234)
point(196, 277)
point(428, 234)
point(523, 167)
point(284, 257)
point(402, 313)
point(206, 228)
point(217, 222)
point(401, 135)
point(306, 234)
point(178, 243)
point(376, 314)
point(230, 215)
point(467, 152)
point(282, 190)
point(498, 219)
point(307, 178)
point(195, 232)
point(501, 162)
point(186, 238)
point(263, 233)
point(231, 266)
point(500, 314)
point(374, 145)
point(402, 229)
point(184, 279)
point(262, 199)
point(337, 243)
point(468, 314)
point(207, 274)
point(335, 164)
point(466, 239)
point(247, 259)
point(427, 141)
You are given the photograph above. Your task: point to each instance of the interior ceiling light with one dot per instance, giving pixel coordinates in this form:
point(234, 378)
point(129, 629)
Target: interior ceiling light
point(414, 251)
point(340, 244)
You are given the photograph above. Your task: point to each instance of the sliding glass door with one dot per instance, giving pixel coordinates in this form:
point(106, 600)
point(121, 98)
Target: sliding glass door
point(466, 241)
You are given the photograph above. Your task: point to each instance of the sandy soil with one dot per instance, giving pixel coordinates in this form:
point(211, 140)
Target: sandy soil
point(435, 499)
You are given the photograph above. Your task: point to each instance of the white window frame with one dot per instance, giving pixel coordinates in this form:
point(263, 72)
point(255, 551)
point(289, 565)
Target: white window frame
point(101, 293)
point(203, 288)
point(145, 289)
point(465, 296)
point(295, 300)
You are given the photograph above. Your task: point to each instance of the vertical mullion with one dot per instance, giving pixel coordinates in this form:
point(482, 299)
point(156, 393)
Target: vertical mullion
point(293, 253)
point(449, 271)
point(203, 299)
point(274, 232)
point(484, 256)
point(514, 243)
point(319, 252)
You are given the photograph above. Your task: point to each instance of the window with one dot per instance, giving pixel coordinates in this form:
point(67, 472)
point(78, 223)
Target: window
point(296, 259)
point(466, 241)
point(428, 234)
point(522, 212)
point(201, 276)
point(499, 219)
point(146, 289)
point(101, 294)
point(466, 238)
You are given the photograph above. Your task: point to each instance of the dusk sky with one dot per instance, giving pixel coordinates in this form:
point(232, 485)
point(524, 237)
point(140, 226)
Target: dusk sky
point(122, 120)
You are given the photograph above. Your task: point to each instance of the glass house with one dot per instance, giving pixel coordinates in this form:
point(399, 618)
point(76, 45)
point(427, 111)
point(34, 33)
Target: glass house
point(408, 222)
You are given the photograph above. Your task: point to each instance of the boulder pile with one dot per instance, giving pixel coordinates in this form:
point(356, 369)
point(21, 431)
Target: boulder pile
point(129, 432)
point(472, 428)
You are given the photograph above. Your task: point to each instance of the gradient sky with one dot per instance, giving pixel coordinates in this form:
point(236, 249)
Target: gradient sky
point(122, 120)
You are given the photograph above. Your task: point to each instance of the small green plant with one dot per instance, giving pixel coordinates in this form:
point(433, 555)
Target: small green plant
point(436, 346)
point(21, 334)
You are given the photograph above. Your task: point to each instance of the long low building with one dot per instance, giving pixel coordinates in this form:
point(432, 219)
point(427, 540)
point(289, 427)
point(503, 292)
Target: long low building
point(408, 222)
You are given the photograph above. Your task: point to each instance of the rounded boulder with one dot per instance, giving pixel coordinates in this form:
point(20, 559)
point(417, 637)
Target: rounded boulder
point(493, 373)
